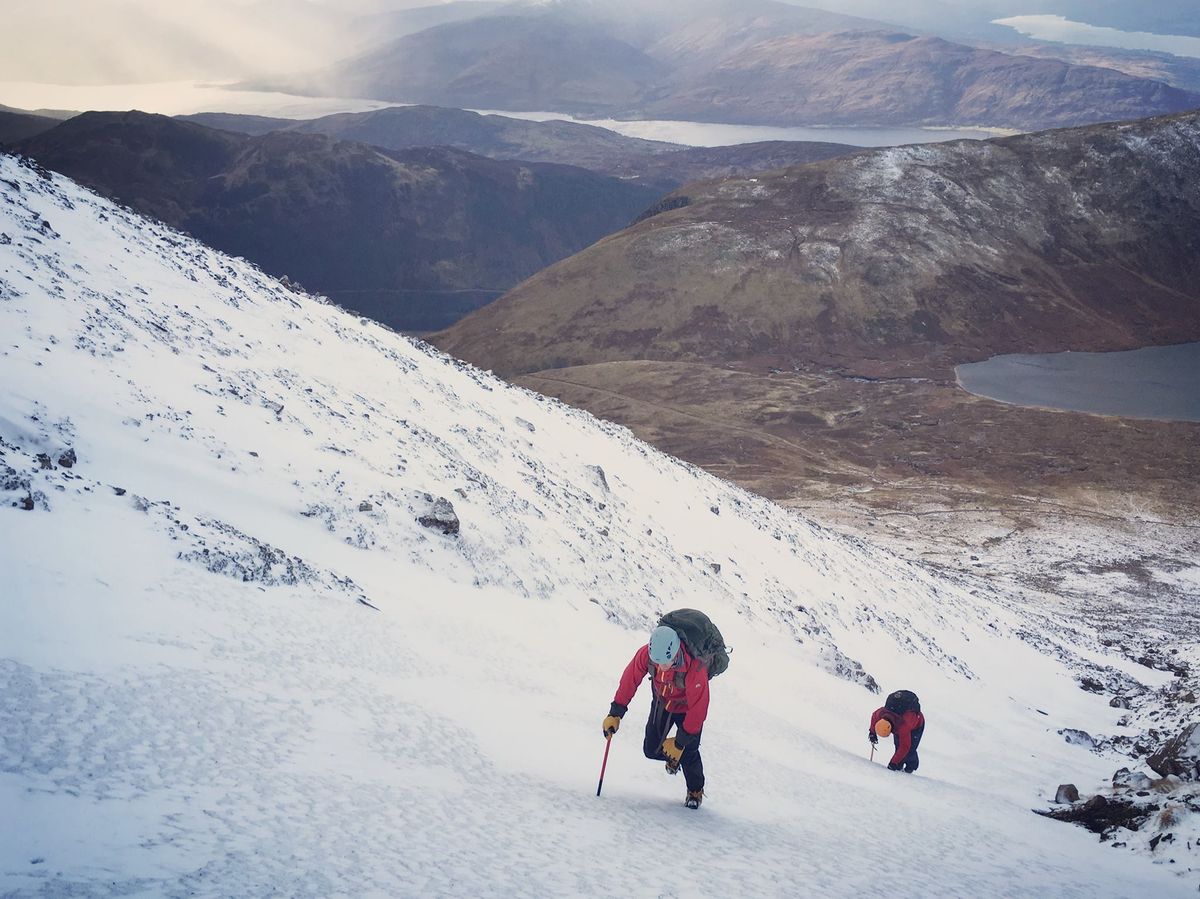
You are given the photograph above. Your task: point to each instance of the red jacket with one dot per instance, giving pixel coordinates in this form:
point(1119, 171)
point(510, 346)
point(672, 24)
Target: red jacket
point(683, 688)
point(902, 729)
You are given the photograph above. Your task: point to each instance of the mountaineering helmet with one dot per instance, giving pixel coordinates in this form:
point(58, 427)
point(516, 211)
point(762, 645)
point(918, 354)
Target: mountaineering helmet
point(664, 645)
point(883, 727)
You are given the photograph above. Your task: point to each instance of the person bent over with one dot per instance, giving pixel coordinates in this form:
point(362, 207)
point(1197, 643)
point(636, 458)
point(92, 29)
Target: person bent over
point(680, 684)
point(902, 720)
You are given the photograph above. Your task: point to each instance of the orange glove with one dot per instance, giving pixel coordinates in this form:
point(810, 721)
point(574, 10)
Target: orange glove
point(611, 725)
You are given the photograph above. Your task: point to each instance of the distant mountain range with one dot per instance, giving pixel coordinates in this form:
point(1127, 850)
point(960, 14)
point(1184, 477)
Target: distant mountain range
point(1178, 71)
point(662, 166)
point(756, 61)
point(413, 238)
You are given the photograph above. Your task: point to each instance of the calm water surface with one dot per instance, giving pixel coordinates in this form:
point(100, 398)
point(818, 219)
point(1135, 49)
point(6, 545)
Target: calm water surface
point(1155, 382)
point(709, 134)
point(1064, 31)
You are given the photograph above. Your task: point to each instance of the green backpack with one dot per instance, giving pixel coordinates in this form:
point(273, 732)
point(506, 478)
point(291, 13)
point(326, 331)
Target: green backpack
point(701, 637)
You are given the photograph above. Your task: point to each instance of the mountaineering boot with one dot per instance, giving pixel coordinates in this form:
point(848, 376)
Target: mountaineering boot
point(694, 798)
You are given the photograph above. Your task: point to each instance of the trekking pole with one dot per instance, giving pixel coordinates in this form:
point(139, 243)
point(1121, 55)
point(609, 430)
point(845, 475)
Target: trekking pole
point(872, 752)
point(604, 764)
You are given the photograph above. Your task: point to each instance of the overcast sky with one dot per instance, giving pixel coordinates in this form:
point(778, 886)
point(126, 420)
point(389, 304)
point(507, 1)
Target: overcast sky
point(98, 41)
point(120, 41)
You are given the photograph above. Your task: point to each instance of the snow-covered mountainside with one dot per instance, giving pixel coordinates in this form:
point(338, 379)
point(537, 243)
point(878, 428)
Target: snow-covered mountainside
point(293, 605)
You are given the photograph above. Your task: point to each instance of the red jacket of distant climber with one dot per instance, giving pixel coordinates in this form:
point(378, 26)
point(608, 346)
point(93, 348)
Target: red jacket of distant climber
point(902, 729)
point(683, 688)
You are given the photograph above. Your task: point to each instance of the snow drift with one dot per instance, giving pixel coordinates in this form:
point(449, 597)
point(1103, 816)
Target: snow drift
point(295, 605)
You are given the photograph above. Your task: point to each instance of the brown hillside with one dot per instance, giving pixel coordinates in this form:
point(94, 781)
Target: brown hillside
point(1080, 239)
point(796, 331)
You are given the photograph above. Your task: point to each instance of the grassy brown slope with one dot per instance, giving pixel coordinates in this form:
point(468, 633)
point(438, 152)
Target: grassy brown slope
point(936, 254)
point(819, 436)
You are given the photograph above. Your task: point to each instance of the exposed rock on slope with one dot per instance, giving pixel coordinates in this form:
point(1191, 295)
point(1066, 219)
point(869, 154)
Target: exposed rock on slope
point(413, 238)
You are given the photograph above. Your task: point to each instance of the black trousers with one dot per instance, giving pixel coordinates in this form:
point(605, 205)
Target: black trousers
point(912, 760)
point(658, 726)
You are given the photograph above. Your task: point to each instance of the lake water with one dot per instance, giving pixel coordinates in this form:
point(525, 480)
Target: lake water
point(707, 134)
point(184, 98)
point(1155, 382)
point(1064, 31)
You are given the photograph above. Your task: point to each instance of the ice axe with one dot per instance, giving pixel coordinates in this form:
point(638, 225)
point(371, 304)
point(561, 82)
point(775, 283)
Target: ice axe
point(872, 753)
point(604, 764)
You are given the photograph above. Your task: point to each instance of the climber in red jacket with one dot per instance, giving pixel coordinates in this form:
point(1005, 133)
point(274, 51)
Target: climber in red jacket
point(680, 700)
point(900, 717)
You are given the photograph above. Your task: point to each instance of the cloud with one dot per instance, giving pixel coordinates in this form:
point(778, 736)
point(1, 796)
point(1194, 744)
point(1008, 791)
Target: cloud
point(123, 41)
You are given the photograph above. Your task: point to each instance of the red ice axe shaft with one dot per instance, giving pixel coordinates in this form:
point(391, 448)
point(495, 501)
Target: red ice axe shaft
point(604, 764)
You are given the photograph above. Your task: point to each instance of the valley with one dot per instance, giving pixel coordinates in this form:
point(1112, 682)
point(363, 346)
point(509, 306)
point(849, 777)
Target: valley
point(797, 332)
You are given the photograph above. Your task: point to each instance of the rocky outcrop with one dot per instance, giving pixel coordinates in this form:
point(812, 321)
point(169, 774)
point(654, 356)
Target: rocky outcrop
point(1066, 794)
point(1180, 755)
point(440, 517)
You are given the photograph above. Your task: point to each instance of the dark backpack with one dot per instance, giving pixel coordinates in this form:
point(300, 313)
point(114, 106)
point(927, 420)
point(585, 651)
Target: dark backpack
point(902, 701)
point(701, 637)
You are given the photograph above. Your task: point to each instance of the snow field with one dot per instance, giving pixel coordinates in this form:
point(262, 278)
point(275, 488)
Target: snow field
point(169, 729)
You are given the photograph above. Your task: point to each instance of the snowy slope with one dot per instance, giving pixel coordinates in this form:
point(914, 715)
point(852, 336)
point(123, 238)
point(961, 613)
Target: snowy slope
point(233, 661)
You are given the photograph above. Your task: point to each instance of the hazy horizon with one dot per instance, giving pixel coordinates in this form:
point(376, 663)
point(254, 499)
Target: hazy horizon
point(108, 42)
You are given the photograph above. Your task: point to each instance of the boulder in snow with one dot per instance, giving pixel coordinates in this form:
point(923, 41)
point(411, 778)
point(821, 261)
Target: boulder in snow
point(597, 476)
point(1067, 793)
point(1180, 755)
point(67, 459)
point(1078, 737)
point(441, 517)
point(1130, 780)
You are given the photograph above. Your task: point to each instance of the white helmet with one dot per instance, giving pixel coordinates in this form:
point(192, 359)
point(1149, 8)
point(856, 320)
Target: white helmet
point(664, 645)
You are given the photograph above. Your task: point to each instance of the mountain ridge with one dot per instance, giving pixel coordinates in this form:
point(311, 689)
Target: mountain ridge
point(413, 237)
point(1031, 243)
point(661, 165)
point(768, 63)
